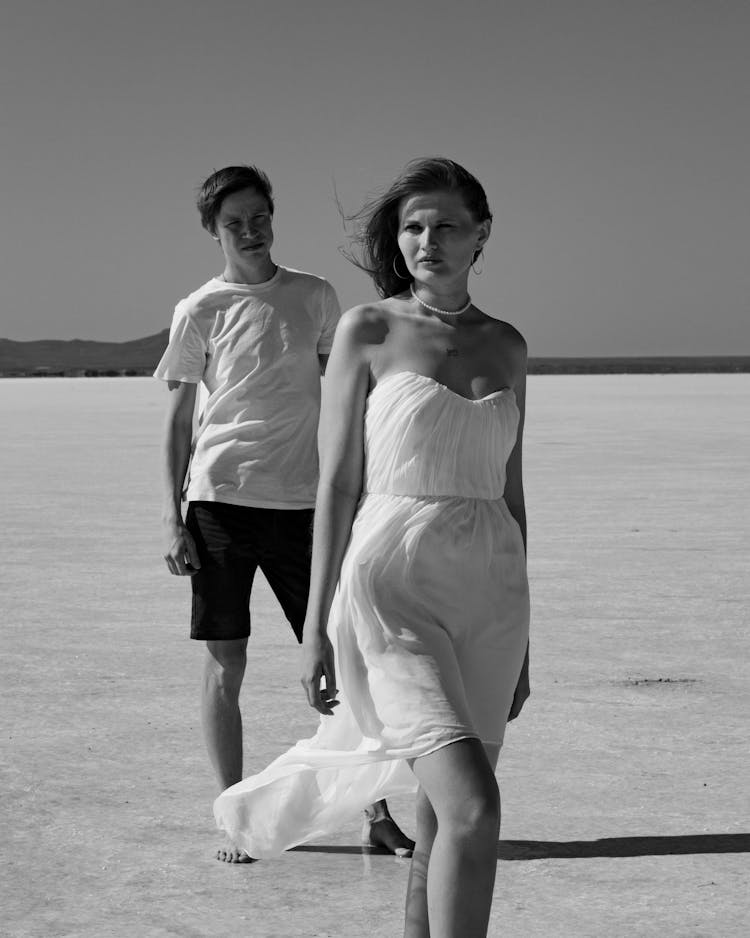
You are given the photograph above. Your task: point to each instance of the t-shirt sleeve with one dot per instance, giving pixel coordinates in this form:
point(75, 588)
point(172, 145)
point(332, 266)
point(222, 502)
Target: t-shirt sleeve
point(185, 356)
point(330, 315)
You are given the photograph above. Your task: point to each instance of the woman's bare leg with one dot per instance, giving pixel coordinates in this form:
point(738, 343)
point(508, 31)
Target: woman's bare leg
point(459, 782)
point(416, 924)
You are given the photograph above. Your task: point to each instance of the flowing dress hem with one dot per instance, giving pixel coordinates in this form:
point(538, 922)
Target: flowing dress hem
point(235, 824)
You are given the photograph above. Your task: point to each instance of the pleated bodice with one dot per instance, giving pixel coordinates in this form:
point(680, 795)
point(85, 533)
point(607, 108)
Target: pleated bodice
point(422, 439)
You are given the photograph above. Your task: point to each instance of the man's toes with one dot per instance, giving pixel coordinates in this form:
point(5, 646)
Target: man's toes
point(233, 855)
point(385, 833)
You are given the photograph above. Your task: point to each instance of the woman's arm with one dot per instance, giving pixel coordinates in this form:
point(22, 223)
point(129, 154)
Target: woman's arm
point(514, 498)
point(341, 447)
point(180, 551)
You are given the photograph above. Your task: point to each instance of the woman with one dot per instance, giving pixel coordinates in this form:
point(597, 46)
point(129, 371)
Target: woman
point(418, 595)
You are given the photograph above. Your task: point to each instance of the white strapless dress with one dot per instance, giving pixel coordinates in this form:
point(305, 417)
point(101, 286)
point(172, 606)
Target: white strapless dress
point(429, 622)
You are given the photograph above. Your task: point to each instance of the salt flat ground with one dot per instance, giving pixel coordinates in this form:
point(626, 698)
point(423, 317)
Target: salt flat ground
point(625, 808)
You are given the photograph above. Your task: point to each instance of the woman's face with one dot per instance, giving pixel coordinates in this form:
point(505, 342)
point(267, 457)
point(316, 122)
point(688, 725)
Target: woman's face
point(438, 237)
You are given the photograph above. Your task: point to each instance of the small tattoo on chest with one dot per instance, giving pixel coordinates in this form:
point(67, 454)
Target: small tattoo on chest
point(451, 352)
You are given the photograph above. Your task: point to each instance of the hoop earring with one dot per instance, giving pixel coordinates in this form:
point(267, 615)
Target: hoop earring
point(481, 269)
point(406, 276)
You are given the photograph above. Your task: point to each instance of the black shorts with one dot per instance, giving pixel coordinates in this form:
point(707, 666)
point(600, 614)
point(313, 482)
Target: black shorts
point(233, 541)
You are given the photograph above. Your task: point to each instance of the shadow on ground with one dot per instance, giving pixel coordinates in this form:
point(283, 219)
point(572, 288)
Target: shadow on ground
point(583, 849)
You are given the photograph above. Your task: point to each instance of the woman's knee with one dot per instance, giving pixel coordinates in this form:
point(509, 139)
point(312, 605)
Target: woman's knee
point(479, 810)
point(461, 786)
point(474, 809)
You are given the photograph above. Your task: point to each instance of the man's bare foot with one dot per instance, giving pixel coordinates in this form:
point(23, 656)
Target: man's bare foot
point(384, 832)
point(230, 853)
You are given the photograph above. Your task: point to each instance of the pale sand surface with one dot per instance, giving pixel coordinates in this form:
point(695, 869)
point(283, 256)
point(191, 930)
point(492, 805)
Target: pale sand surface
point(625, 807)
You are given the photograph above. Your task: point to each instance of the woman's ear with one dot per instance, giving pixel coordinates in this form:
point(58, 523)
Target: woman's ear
point(485, 228)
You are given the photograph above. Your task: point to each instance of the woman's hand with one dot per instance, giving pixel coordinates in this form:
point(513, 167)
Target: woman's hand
point(523, 689)
point(318, 664)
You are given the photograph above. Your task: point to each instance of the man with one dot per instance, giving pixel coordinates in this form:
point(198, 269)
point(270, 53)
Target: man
point(258, 337)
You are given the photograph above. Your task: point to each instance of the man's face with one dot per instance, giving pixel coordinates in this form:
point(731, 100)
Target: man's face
point(244, 228)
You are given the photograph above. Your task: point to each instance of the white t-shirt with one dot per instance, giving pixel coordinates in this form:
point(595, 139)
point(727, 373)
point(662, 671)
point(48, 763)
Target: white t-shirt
point(255, 347)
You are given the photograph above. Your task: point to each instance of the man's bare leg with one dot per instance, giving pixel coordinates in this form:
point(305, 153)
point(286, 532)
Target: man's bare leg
point(223, 672)
point(380, 830)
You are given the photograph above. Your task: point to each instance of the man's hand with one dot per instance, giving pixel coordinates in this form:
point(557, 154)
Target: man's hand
point(181, 553)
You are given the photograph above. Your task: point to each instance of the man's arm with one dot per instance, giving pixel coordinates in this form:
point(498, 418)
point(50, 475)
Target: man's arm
point(180, 552)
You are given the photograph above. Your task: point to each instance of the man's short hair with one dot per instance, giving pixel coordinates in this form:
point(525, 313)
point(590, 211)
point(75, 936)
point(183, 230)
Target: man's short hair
point(223, 183)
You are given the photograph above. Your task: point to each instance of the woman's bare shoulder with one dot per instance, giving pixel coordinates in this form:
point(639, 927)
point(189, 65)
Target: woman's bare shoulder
point(365, 324)
point(509, 339)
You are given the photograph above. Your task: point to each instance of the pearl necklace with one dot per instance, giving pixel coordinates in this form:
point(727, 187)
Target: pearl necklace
point(441, 312)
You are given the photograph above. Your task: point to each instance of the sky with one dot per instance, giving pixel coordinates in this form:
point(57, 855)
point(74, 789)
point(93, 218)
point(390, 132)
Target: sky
point(612, 138)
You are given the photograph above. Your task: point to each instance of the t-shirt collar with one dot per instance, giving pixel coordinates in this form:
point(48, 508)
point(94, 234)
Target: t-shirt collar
point(251, 287)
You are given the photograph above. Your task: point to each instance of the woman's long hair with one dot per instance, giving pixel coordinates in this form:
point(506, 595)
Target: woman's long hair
point(375, 249)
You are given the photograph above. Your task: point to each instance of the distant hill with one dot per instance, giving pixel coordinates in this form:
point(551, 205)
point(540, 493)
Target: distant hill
point(662, 365)
point(81, 357)
point(52, 357)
